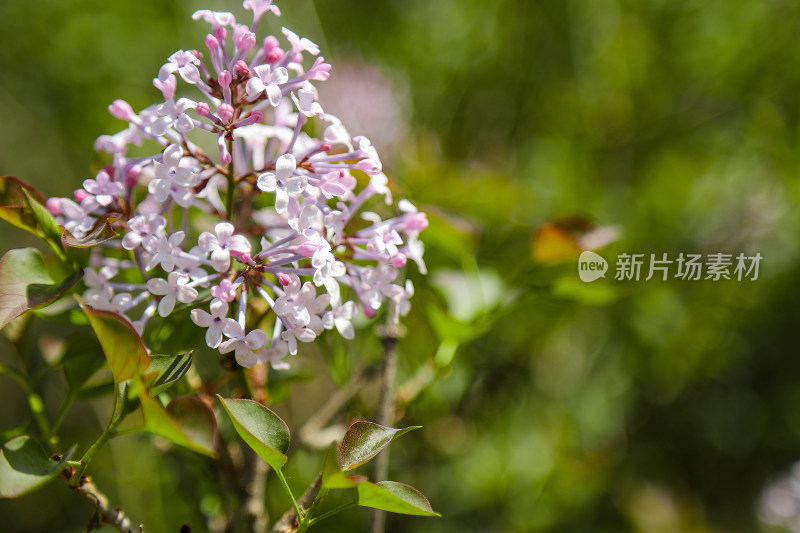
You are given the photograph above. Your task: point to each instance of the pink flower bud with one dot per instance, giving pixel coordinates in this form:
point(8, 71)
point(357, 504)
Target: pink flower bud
point(224, 155)
point(368, 311)
point(121, 110)
point(196, 54)
point(133, 171)
point(368, 166)
point(399, 260)
point(211, 42)
point(284, 279)
point(325, 147)
point(307, 249)
point(257, 116)
point(224, 291)
point(225, 78)
point(242, 68)
point(203, 109)
point(247, 41)
point(167, 86)
point(416, 222)
point(80, 195)
point(53, 205)
point(275, 55)
point(271, 43)
point(220, 33)
point(225, 112)
point(242, 257)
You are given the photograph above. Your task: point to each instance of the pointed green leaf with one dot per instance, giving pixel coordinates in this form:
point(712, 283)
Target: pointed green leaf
point(102, 231)
point(125, 353)
point(164, 370)
point(25, 283)
point(45, 222)
point(394, 497)
point(332, 475)
point(159, 421)
point(13, 204)
point(364, 440)
point(264, 431)
point(24, 467)
point(196, 419)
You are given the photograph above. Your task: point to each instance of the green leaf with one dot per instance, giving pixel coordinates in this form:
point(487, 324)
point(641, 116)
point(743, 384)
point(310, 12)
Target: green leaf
point(100, 232)
point(196, 419)
point(125, 353)
point(332, 475)
point(46, 224)
point(24, 467)
point(159, 421)
point(264, 431)
point(13, 203)
point(164, 370)
point(394, 497)
point(364, 440)
point(25, 283)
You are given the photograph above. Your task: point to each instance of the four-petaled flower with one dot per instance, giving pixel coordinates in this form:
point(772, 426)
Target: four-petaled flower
point(217, 323)
point(267, 79)
point(103, 188)
point(247, 347)
point(282, 182)
point(174, 288)
point(222, 244)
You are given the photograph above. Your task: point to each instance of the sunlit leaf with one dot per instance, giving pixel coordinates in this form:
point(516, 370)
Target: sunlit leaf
point(25, 283)
point(45, 222)
point(102, 231)
point(264, 431)
point(125, 353)
point(161, 422)
point(165, 370)
point(13, 203)
point(364, 440)
point(24, 467)
point(394, 497)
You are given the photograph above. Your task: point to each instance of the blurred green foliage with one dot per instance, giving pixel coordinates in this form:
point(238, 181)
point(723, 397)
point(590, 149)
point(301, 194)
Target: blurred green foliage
point(653, 406)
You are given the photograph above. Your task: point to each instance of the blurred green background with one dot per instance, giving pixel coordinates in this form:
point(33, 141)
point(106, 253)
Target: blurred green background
point(553, 405)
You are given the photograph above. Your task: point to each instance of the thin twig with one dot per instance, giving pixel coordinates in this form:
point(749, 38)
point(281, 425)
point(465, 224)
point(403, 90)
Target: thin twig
point(104, 513)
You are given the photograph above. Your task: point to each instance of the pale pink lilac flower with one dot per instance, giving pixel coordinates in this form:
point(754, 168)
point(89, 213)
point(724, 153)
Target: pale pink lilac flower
point(217, 323)
point(171, 290)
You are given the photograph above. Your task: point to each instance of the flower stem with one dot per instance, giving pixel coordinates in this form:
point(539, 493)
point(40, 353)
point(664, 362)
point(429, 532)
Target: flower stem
point(289, 492)
point(231, 182)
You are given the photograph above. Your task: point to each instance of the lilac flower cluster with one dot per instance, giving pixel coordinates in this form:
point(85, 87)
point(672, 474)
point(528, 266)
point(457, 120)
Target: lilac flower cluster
point(278, 204)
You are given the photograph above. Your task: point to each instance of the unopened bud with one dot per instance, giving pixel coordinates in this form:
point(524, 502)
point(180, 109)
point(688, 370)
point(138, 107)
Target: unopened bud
point(225, 78)
point(307, 249)
point(399, 260)
point(121, 110)
point(242, 69)
point(53, 205)
point(225, 112)
point(284, 279)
